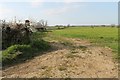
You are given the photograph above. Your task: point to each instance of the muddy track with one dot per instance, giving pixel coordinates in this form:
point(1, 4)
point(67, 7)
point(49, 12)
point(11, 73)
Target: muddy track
point(73, 59)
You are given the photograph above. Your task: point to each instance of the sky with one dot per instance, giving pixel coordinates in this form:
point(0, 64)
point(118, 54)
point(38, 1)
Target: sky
point(61, 12)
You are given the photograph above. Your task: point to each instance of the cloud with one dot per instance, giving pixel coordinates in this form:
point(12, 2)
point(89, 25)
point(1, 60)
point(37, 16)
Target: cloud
point(61, 10)
point(5, 10)
point(56, 11)
point(61, 0)
point(36, 3)
point(70, 1)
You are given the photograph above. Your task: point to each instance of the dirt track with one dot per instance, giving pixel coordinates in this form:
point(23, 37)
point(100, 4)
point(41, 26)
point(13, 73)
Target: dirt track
point(80, 60)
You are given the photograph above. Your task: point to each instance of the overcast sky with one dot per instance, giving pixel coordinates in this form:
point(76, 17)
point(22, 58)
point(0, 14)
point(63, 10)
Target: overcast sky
point(62, 12)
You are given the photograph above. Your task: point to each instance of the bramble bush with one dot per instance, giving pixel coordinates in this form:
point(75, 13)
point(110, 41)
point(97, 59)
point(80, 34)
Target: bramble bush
point(17, 52)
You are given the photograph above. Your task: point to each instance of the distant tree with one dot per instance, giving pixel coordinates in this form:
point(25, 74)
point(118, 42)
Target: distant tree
point(2, 23)
point(112, 25)
point(57, 26)
point(68, 25)
point(103, 25)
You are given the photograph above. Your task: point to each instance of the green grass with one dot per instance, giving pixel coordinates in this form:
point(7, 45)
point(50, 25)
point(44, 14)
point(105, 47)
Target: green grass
point(17, 52)
point(101, 36)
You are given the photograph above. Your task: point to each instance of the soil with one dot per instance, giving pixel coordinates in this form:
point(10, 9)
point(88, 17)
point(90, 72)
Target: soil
point(81, 59)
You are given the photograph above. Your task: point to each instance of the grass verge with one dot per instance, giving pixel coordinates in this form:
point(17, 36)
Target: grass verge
point(101, 36)
point(16, 53)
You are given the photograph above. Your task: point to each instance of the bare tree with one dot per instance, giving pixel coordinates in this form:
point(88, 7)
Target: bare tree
point(2, 23)
point(41, 25)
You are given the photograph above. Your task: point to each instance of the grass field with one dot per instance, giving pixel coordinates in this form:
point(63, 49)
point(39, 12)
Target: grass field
point(62, 50)
point(103, 36)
